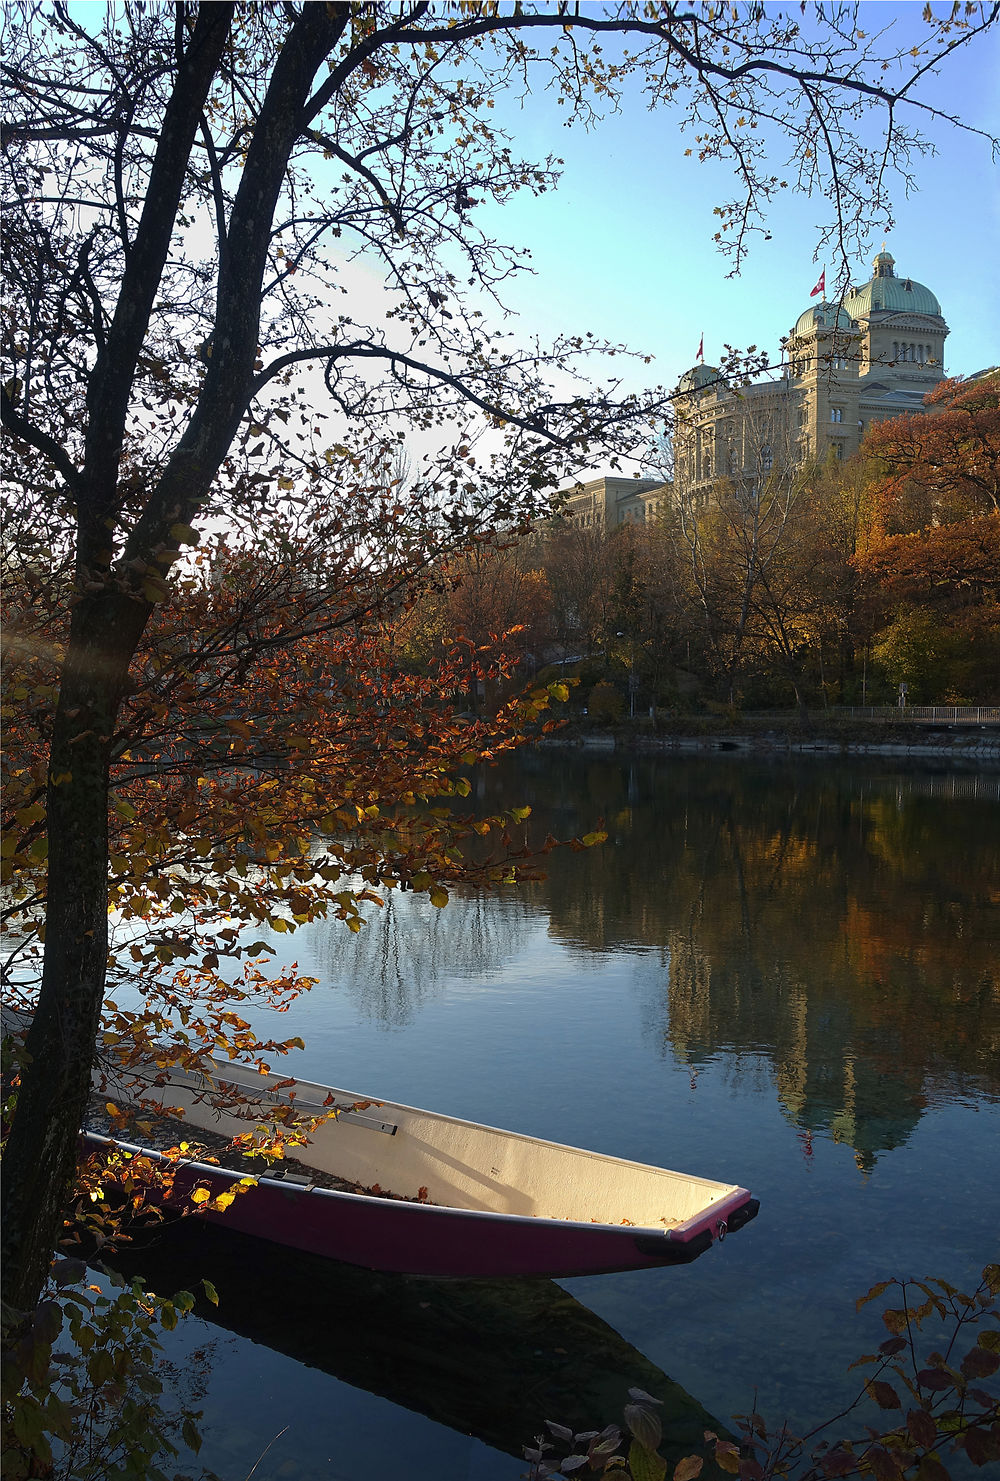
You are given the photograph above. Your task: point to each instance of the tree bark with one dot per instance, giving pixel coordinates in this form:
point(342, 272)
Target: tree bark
point(40, 1157)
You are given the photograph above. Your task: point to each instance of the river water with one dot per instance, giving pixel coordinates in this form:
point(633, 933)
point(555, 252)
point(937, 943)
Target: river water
point(776, 973)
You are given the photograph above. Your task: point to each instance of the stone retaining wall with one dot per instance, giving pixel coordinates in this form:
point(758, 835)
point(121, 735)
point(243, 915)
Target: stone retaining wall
point(981, 748)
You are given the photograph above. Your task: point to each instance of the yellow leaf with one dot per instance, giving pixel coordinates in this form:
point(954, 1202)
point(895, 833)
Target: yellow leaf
point(439, 897)
point(200, 1195)
point(155, 590)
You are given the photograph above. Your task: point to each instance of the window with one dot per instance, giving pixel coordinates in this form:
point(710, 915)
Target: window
point(836, 414)
point(766, 458)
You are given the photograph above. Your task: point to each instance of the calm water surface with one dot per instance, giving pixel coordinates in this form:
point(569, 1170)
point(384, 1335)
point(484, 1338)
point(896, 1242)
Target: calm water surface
point(778, 974)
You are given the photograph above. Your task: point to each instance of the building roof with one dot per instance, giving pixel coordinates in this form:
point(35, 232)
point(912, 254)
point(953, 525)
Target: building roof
point(887, 293)
point(698, 377)
point(822, 316)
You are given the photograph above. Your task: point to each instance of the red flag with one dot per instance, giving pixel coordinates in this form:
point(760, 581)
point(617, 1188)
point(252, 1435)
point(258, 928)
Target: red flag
point(701, 346)
point(820, 286)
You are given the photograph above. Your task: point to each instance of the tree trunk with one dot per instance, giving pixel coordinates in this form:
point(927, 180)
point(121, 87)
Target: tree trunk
point(106, 626)
point(39, 1161)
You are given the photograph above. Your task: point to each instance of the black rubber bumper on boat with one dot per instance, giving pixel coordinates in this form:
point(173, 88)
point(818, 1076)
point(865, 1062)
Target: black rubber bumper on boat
point(661, 1247)
point(743, 1215)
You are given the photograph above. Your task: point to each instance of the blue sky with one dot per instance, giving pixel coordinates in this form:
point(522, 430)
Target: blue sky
point(624, 247)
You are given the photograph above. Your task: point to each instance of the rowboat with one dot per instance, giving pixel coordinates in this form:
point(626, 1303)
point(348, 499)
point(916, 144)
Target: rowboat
point(465, 1199)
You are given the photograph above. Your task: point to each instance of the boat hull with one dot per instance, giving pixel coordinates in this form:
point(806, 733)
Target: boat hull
point(425, 1239)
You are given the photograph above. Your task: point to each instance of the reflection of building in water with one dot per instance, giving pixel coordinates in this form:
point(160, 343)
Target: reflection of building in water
point(860, 1096)
point(689, 974)
point(823, 1085)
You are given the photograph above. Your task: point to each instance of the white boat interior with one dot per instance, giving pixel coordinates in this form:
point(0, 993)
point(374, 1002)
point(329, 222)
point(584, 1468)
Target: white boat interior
point(459, 1163)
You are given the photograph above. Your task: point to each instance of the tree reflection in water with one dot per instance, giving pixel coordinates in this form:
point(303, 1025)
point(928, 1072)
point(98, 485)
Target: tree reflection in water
point(824, 924)
point(397, 961)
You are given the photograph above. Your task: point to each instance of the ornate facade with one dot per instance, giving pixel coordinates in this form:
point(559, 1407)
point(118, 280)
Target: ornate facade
point(876, 355)
point(607, 503)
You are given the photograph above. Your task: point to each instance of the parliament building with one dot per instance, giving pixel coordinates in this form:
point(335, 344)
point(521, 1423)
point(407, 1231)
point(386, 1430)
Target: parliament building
point(844, 366)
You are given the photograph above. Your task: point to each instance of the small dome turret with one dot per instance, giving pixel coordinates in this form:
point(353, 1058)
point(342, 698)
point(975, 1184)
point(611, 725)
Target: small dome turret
point(698, 378)
point(821, 316)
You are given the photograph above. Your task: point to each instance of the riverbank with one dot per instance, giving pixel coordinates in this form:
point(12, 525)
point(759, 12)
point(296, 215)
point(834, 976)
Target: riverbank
point(965, 745)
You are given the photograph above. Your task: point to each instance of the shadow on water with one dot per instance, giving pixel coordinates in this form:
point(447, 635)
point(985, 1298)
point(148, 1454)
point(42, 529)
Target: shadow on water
point(489, 1358)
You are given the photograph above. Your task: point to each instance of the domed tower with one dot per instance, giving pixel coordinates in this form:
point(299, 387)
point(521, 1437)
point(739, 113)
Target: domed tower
point(823, 354)
point(699, 378)
point(902, 328)
point(697, 401)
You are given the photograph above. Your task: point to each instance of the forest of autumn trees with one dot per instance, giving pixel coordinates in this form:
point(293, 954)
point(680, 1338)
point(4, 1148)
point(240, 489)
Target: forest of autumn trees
point(834, 586)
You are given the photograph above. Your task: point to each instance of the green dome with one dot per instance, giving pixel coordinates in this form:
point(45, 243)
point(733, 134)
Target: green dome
point(888, 294)
point(698, 378)
point(822, 316)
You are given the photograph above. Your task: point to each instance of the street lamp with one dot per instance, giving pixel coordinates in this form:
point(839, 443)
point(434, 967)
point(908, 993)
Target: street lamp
point(631, 675)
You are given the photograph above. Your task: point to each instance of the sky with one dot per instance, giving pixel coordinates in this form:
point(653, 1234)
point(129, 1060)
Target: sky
point(624, 247)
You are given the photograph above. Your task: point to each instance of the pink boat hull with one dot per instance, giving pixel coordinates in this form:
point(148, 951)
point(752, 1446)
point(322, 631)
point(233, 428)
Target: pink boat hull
point(427, 1239)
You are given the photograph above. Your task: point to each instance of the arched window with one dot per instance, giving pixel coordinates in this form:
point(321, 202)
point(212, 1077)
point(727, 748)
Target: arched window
point(836, 414)
point(895, 349)
point(766, 458)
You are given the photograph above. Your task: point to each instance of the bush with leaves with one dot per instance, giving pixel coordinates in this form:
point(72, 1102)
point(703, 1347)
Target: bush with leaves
point(84, 1397)
point(605, 702)
point(947, 1403)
